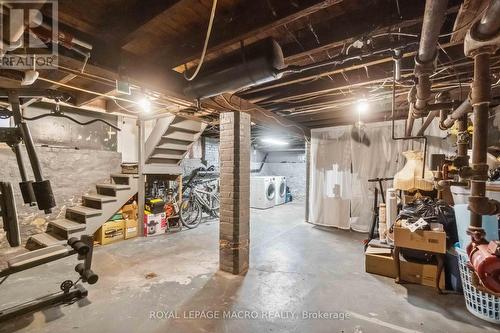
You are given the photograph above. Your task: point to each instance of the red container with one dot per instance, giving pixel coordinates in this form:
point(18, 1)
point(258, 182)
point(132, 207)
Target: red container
point(486, 265)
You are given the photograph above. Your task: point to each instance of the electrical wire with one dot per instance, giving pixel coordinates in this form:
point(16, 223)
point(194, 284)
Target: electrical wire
point(466, 25)
point(205, 46)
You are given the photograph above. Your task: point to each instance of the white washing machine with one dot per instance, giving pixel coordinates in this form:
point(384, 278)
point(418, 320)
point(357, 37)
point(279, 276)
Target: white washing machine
point(262, 192)
point(280, 183)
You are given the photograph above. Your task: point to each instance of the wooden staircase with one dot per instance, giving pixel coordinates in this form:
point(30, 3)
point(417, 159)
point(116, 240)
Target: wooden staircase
point(94, 211)
point(165, 148)
point(168, 144)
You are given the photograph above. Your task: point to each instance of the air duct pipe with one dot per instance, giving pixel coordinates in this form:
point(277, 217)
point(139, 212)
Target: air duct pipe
point(254, 65)
point(434, 15)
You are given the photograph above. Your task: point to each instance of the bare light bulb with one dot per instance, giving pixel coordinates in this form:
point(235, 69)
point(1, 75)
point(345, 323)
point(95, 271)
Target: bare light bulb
point(362, 106)
point(145, 104)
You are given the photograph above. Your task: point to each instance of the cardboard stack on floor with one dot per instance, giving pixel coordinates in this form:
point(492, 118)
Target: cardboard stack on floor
point(123, 225)
point(379, 255)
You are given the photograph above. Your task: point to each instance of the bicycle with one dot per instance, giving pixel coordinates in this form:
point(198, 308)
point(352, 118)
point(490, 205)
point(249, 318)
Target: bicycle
point(203, 198)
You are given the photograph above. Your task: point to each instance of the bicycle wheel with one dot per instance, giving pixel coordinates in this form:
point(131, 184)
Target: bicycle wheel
point(190, 213)
point(214, 211)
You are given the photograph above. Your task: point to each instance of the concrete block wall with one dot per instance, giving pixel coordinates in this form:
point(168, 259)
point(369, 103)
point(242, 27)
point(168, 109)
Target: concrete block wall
point(194, 158)
point(234, 230)
point(291, 164)
point(71, 172)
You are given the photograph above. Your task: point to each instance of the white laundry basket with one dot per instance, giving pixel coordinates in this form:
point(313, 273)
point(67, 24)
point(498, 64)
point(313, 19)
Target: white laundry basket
point(480, 304)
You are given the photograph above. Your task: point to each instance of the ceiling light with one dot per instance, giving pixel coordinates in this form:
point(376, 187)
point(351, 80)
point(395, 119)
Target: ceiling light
point(273, 141)
point(362, 106)
point(145, 104)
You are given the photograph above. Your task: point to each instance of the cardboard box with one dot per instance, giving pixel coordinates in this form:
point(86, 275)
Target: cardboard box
point(425, 240)
point(130, 211)
point(110, 232)
point(154, 224)
point(130, 228)
point(423, 274)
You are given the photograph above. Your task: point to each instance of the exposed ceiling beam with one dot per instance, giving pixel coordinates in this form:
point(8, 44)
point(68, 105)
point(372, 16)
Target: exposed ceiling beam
point(276, 92)
point(255, 20)
point(127, 26)
point(258, 115)
point(382, 116)
point(340, 31)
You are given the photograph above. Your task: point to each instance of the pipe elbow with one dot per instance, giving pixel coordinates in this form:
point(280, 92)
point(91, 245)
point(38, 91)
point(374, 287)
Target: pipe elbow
point(484, 206)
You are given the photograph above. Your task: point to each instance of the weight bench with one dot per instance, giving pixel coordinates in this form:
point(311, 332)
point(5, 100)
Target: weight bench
point(35, 258)
point(70, 291)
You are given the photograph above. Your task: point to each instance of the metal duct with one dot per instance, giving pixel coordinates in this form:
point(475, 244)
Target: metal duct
point(254, 65)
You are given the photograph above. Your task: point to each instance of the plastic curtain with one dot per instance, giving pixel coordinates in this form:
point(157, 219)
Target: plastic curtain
point(340, 194)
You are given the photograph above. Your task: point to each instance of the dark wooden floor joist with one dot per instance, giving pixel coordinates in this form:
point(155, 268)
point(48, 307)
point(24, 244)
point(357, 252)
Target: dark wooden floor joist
point(261, 23)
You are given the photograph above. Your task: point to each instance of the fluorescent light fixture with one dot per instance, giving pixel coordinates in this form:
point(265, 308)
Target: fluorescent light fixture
point(362, 106)
point(145, 104)
point(273, 141)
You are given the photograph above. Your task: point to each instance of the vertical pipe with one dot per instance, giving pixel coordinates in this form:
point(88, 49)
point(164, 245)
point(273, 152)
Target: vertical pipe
point(434, 16)
point(462, 143)
point(480, 103)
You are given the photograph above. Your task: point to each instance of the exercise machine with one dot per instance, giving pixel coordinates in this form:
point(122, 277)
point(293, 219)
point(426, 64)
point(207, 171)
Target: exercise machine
point(39, 193)
point(70, 291)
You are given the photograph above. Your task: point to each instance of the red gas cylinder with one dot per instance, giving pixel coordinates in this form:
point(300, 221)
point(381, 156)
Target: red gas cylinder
point(486, 264)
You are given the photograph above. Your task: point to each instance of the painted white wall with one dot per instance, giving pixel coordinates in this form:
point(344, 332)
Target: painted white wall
point(128, 139)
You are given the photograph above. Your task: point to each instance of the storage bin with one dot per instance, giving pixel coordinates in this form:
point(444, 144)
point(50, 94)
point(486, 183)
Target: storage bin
point(462, 217)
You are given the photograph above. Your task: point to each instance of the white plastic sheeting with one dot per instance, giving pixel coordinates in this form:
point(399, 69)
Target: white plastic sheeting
point(340, 194)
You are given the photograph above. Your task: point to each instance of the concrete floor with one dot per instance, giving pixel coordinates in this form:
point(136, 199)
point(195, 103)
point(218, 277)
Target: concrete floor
point(294, 268)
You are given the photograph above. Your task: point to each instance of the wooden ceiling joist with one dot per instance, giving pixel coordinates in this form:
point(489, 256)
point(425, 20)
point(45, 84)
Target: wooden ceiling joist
point(254, 19)
point(259, 116)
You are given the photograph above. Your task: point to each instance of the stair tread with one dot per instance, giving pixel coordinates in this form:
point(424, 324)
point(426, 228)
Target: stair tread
point(187, 125)
point(86, 211)
point(167, 156)
point(114, 186)
point(99, 197)
point(173, 146)
point(125, 175)
point(68, 225)
point(180, 135)
point(47, 239)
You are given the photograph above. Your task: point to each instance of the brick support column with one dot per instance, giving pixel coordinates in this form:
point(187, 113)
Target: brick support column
point(234, 234)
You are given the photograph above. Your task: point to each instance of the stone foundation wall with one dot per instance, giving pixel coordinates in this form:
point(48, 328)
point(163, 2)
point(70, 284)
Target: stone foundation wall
point(71, 172)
